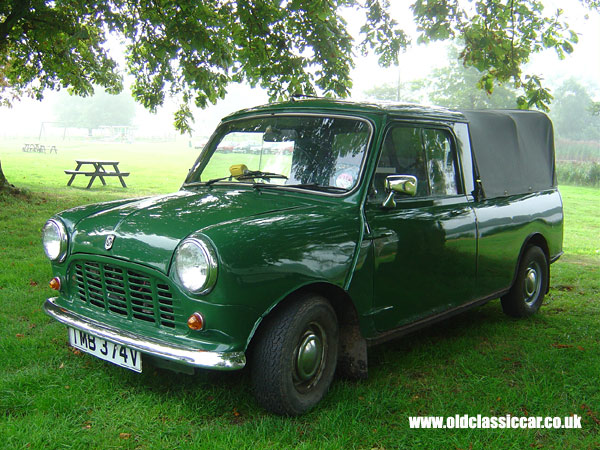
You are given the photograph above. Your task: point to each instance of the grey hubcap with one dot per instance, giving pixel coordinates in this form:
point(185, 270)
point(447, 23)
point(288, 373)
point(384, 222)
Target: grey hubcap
point(309, 357)
point(533, 282)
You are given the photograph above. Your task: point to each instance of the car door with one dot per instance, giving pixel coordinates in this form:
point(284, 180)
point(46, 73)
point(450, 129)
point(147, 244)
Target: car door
point(425, 247)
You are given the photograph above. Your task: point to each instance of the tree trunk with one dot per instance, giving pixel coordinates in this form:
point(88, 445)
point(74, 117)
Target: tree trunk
point(3, 180)
point(4, 184)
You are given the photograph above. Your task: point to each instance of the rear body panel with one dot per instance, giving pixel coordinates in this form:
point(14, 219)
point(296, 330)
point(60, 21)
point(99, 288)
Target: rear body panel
point(505, 225)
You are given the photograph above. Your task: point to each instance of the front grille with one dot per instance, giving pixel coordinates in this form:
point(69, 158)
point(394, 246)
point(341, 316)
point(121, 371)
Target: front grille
point(125, 292)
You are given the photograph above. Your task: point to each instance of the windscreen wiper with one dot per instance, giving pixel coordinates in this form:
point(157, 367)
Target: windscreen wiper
point(206, 183)
point(317, 187)
point(251, 174)
point(214, 180)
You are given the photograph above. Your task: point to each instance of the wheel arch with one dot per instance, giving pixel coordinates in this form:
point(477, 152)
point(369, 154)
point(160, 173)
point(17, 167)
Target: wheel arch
point(352, 352)
point(536, 239)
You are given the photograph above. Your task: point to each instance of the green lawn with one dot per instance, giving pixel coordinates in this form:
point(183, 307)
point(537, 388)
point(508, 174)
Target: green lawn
point(481, 362)
point(154, 167)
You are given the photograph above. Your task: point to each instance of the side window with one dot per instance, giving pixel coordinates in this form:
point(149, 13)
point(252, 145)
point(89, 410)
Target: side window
point(402, 154)
point(426, 153)
point(441, 164)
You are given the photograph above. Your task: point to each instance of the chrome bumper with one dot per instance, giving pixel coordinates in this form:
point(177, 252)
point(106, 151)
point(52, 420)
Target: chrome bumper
point(155, 347)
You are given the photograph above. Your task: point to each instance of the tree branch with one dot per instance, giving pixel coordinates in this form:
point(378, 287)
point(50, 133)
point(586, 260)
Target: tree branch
point(18, 12)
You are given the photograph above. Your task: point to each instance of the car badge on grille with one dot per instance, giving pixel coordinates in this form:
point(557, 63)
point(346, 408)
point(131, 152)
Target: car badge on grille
point(109, 241)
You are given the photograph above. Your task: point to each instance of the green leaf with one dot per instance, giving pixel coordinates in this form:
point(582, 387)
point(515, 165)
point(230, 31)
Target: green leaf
point(567, 47)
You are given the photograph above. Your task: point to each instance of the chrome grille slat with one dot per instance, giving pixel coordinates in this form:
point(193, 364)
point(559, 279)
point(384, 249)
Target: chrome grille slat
point(124, 292)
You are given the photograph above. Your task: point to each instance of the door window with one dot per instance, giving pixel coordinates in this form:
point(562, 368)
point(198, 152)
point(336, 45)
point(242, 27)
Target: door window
point(426, 153)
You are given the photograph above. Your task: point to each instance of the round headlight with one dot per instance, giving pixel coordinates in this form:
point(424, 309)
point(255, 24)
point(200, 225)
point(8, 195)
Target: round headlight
point(196, 266)
point(54, 240)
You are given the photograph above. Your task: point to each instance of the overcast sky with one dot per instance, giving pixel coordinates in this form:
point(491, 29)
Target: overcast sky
point(417, 62)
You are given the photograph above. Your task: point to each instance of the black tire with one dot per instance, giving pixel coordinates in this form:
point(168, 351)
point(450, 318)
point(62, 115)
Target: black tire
point(294, 356)
point(527, 294)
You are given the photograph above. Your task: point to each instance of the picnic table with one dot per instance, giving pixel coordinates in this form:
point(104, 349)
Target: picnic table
point(39, 148)
point(99, 171)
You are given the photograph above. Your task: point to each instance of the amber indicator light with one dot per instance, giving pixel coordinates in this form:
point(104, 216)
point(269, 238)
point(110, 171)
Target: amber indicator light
point(196, 322)
point(55, 283)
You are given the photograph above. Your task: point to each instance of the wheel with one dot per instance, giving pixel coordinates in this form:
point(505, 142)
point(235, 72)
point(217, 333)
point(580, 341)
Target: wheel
point(294, 357)
point(527, 294)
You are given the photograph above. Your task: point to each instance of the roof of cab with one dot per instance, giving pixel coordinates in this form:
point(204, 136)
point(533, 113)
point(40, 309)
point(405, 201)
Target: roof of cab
point(342, 106)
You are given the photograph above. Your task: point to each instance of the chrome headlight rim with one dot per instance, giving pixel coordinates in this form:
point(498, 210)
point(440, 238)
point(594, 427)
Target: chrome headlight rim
point(63, 238)
point(210, 256)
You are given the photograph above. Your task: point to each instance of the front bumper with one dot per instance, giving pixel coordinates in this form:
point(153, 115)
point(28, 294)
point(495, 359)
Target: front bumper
point(154, 347)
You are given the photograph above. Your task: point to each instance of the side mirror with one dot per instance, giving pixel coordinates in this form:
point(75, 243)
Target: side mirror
point(401, 184)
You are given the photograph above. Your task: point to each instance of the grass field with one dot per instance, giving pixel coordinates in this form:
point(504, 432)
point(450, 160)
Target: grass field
point(482, 362)
point(154, 166)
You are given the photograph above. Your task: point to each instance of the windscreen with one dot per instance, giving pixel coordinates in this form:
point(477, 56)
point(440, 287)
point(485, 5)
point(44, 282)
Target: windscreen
point(324, 153)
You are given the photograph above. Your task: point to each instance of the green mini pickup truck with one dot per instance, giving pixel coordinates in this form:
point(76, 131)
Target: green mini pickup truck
point(307, 231)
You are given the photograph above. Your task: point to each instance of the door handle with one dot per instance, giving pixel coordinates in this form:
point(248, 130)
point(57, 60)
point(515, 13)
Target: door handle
point(382, 234)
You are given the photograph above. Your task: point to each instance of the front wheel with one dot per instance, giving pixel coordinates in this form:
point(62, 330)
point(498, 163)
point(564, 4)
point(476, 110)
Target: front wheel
point(294, 357)
point(527, 294)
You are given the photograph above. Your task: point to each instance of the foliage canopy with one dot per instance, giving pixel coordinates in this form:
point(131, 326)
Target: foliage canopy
point(187, 48)
point(193, 50)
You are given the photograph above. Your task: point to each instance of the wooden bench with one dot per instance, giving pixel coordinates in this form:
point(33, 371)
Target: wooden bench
point(98, 172)
point(79, 172)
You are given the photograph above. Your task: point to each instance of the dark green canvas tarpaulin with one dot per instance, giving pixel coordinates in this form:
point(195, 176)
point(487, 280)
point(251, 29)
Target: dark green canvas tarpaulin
point(513, 150)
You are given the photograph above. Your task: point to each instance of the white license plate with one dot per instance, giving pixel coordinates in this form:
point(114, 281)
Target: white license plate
point(106, 350)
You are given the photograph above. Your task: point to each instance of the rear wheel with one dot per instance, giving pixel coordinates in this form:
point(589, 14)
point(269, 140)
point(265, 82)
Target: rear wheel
point(527, 294)
point(294, 356)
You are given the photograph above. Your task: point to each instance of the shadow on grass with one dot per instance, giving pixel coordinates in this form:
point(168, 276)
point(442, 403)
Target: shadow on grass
point(484, 322)
point(229, 394)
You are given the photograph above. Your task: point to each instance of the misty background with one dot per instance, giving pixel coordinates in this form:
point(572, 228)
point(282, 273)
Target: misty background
point(427, 74)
